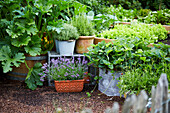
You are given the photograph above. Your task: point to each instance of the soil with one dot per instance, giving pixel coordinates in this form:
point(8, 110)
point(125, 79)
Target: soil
point(16, 98)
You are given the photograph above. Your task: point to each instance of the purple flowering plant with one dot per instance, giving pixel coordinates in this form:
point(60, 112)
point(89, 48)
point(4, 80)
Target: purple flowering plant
point(65, 69)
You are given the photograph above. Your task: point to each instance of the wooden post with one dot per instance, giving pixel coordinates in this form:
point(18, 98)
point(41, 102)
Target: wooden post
point(165, 93)
point(141, 102)
point(153, 99)
point(161, 95)
point(115, 108)
point(126, 106)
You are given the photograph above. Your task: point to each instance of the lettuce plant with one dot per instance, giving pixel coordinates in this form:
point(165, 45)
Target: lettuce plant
point(144, 32)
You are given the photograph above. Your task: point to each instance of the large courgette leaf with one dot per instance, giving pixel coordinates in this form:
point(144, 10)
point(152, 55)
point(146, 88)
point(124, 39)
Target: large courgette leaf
point(9, 59)
point(33, 78)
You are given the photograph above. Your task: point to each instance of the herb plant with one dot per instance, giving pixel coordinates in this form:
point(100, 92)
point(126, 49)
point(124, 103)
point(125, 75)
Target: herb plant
point(83, 25)
point(68, 32)
point(143, 79)
point(65, 69)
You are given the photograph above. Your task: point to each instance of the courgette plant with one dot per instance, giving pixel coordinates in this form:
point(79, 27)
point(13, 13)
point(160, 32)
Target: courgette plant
point(19, 37)
point(23, 24)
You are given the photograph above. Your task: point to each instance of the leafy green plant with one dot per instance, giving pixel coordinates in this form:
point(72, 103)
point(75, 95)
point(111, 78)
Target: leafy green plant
point(23, 25)
point(127, 4)
point(10, 59)
point(143, 12)
point(83, 25)
point(33, 78)
point(141, 64)
point(110, 56)
point(154, 4)
point(143, 79)
point(148, 66)
point(145, 33)
point(98, 6)
point(158, 17)
point(103, 22)
point(67, 33)
point(121, 14)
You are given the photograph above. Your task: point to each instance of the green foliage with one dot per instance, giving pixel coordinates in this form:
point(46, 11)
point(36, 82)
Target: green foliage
point(128, 4)
point(122, 14)
point(145, 33)
point(22, 26)
point(159, 31)
point(9, 60)
point(110, 56)
point(150, 63)
point(162, 17)
point(155, 4)
point(102, 22)
point(143, 79)
point(142, 15)
point(143, 12)
point(6, 8)
point(67, 33)
point(141, 64)
point(34, 46)
point(83, 25)
point(33, 78)
point(98, 6)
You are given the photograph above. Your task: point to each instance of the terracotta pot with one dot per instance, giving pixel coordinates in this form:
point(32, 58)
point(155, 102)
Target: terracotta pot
point(150, 45)
point(83, 43)
point(86, 79)
point(69, 85)
point(125, 23)
point(97, 40)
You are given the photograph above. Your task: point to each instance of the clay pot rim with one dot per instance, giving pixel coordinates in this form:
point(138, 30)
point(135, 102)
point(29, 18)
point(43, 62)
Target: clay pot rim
point(61, 81)
point(103, 38)
point(86, 37)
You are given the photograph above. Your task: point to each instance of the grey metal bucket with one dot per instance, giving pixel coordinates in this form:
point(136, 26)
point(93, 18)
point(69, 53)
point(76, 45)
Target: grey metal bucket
point(66, 48)
point(57, 46)
point(108, 83)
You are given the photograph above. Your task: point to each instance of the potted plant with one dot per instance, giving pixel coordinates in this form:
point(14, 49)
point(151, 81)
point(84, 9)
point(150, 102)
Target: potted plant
point(67, 73)
point(85, 31)
point(66, 39)
point(110, 58)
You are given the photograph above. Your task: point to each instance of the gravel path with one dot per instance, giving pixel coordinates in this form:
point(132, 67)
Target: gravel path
point(16, 98)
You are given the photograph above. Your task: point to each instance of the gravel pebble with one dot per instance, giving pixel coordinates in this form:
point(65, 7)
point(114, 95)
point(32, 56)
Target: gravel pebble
point(16, 98)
